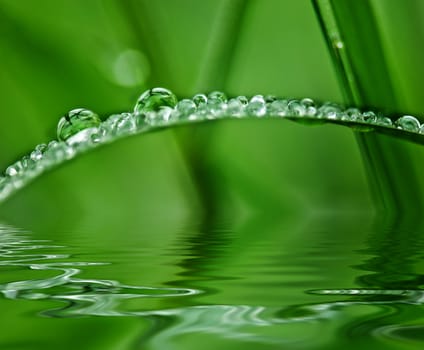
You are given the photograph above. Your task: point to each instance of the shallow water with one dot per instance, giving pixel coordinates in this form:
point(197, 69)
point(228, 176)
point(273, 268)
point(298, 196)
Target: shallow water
point(258, 283)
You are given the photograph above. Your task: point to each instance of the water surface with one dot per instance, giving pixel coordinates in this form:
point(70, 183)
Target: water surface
point(259, 283)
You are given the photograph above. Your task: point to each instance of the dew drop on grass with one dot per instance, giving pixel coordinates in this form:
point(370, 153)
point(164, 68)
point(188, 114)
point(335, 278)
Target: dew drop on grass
point(235, 108)
point(200, 99)
point(408, 123)
point(296, 108)
point(351, 114)
point(76, 121)
point(243, 100)
point(369, 117)
point(310, 107)
point(256, 106)
point(81, 129)
point(278, 108)
point(384, 121)
point(185, 108)
point(153, 100)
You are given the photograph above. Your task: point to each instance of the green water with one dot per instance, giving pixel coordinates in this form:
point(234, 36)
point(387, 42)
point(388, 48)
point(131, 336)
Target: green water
point(255, 283)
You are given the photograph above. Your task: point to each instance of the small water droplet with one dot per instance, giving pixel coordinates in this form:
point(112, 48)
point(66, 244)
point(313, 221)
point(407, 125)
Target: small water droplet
point(384, 121)
point(75, 121)
point(279, 108)
point(243, 100)
point(408, 123)
point(186, 109)
point(351, 114)
point(14, 169)
point(256, 106)
point(36, 155)
point(164, 114)
point(57, 151)
point(216, 104)
point(369, 117)
point(270, 98)
point(219, 96)
point(330, 111)
point(200, 99)
point(296, 109)
point(235, 108)
point(28, 162)
point(153, 100)
point(310, 107)
point(125, 124)
point(338, 44)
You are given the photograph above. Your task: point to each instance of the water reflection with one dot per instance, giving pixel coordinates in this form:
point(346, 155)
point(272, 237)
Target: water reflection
point(290, 285)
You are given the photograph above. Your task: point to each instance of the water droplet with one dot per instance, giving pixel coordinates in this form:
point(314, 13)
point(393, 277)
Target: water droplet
point(270, 98)
point(235, 108)
point(217, 96)
point(164, 114)
point(125, 124)
point(186, 109)
point(384, 121)
point(351, 114)
point(338, 44)
point(75, 121)
point(216, 104)
point(369, 117)
point(408, 123)
point(329, 111)
point(310, 107)
point(256, 106)
point(200, 99)
point(14, 169)
point(153, 100)
point(28, 162)
point(296, 109)
point(57, 151)
point(279, 108)
point(243, 100)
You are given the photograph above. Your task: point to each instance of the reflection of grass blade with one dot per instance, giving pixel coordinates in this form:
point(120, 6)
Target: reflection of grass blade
point(365, 79)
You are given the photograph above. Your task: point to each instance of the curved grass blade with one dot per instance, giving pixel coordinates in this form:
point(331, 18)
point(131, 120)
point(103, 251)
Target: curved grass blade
point(158, 109)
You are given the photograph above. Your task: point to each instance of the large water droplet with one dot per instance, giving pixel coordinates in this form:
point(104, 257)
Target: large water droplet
point(153, 100)
point(408, 123)
point(75, 121)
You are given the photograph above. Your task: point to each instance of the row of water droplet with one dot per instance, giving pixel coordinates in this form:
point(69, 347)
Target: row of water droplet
point(80, 129)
